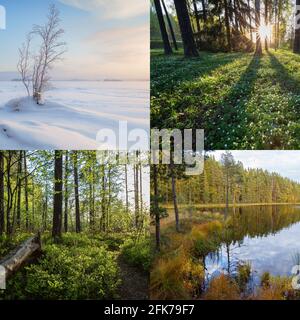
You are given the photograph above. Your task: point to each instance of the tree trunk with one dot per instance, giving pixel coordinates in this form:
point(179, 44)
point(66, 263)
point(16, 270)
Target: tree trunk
point(189, 44)
point(297, 28)
point(58, 186)
point(19, 189)
point(204, 11)
point(170, 26)
point(33, 205)
point(77, 208)
point(15, 260)
point(45, 209)
point(197, 16)
point(9, 194)
point(267, 23)
point(258, 50)
point(66, 209)
point(227, 195)
point(2, 220)
point(136, 195)
point(163, 30)
point(141, 189)
point(174, 196)
point(103, 199)
point(91, 195)
point(227, 23)
point(26, 192)
point(126, 189)
point(156, 208)
point(250, 21)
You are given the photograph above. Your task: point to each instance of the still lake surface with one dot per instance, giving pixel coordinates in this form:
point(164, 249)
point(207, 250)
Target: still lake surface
point(267, 237)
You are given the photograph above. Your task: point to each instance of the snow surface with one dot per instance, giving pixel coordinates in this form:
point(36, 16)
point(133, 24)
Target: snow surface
point(72, 115)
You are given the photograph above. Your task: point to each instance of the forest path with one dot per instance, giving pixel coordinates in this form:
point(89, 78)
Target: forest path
point(135, 284)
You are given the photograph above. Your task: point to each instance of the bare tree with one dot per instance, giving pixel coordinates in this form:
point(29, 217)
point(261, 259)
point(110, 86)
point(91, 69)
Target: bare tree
point(24, 63)
point(50, 51)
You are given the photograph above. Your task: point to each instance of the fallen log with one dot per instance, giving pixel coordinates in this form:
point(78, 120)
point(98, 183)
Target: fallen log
point(23, 254)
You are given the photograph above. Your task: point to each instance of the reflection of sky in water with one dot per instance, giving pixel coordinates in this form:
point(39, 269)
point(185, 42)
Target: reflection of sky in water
point(273, 253)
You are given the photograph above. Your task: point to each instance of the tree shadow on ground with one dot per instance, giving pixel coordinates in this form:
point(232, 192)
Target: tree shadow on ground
point(168, 72)
point(230, 116)
point(287, 82)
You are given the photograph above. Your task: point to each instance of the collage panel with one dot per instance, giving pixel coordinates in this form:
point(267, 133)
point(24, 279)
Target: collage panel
point(74, 226)
point(230, 233)
point(74, 188)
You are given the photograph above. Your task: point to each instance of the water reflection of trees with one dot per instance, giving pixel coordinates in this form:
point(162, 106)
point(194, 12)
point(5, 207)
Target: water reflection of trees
point(258, 221)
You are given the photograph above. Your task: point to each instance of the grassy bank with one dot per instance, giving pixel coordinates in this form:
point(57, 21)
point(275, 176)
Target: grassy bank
point(178, 271)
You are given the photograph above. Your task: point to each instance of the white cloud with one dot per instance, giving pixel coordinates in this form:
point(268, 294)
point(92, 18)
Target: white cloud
point(112, 9)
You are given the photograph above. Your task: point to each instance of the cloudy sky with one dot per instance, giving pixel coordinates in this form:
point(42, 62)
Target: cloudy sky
point(106, 38)
point(286, 163)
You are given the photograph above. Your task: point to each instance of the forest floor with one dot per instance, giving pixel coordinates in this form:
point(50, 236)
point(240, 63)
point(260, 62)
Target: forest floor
point(80, 266)
point(135, 284)
point(241, 101)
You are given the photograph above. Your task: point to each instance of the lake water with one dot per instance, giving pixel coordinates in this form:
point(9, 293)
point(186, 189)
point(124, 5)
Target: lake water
point(268, 237)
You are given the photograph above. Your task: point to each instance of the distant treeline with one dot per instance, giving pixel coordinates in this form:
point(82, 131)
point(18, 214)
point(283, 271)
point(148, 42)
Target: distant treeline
point(228, 180)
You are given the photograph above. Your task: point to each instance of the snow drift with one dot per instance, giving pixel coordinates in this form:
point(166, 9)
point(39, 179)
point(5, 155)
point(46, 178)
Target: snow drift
point(71, 116)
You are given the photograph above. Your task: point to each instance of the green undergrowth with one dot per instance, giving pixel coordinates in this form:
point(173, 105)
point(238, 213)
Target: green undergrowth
point(241, 101)
point(78, 266)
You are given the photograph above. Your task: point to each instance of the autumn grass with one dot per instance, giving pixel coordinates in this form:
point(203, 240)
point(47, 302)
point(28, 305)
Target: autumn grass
point(177, 272)
point(178, 269)
point(242, 101)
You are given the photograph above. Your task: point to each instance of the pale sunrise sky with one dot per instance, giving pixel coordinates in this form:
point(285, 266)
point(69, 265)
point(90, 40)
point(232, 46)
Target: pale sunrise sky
point(106, 38)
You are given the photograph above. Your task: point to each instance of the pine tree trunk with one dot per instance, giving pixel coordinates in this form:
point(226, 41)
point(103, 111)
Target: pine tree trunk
point(297, 29)
point(2, 220)
point(91, 195)
point(204, 11)
point(156, 208)
point(170, 26)
point(190, 49)
point(126, 189)
point(227, 24)
point(57, 202)
point(141, 189)
point(227, 195)
point(267, 23)
point(66, 208)
point(258, 50)
point(26, 193)
point(163, 30)
point(19, 189)
point(197, 18)
point(174, 196)
point(77, 208)
point(9, 194)
point(136, 195)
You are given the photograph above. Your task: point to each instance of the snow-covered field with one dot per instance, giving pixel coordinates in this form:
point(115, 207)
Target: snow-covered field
point(73, 113)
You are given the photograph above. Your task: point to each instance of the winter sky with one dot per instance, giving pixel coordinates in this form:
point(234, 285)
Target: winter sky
point(106, 38)
point(286, 163)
